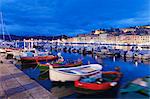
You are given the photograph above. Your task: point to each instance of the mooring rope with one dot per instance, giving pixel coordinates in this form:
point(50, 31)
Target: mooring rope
point(44, 72)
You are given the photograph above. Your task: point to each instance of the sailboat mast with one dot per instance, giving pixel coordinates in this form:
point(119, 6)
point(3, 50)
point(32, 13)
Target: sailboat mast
point(2, 25)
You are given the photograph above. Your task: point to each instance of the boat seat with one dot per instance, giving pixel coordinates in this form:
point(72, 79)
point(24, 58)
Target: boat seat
point(88, 80)
point(68, 71)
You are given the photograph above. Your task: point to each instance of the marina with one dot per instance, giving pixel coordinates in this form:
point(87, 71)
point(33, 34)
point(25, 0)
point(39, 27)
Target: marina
point(74, 49)
point(125, 66)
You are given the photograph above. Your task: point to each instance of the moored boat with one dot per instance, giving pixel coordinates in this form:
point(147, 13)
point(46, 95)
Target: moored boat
point(99, 82)
point(73, 73)
point(2, 50)
point(32, 60)
point(45, 67)
point(140, 85)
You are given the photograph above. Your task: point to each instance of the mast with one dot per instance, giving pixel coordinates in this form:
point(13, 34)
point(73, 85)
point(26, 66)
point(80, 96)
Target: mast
point(2, 25)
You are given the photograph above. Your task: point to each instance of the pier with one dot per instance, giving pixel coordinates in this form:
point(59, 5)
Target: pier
point(15, 84)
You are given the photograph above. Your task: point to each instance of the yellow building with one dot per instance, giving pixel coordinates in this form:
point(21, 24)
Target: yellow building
point(129, 39)
point(146, 27)
point(128, 30)
point(72, 40)
point(99, 32)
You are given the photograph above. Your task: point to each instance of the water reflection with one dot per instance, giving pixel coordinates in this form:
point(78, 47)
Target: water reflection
point(127, 66)
point(114, 58)
point(136, 63)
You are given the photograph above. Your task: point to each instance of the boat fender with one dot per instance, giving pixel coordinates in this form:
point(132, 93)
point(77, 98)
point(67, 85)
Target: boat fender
point(113, 84)
point(80, 84)
point(98, 82)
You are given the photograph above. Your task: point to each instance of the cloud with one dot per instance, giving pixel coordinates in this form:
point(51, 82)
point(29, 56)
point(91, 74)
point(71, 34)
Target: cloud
point(134, 21)
point(71, 17)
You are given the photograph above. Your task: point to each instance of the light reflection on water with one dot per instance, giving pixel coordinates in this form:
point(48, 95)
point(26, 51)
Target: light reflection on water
point(129, 69)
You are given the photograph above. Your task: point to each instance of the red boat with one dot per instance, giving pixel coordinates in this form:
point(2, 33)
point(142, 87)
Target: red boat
point(109, 79)
point(75, 63)
point(32, 60)
point(11, 49)
point(45, 67)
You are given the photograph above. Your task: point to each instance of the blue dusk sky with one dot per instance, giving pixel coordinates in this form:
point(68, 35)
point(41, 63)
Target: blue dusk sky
point(71, 17)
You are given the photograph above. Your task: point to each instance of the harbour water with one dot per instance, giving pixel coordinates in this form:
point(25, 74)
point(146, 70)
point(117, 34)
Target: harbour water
point(129, 69)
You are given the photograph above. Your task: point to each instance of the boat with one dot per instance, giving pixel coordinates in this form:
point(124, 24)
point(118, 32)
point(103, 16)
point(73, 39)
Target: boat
point(32, 52)
point(2, 50)
point(74, 50)
point(43, 76)
point(72, 73)
point(99, 82)
point(13, 53)
point(32, 60)
point(3, 42)
point(89, 50)
point(140, 85)
point(45, 67)
point(129, 54)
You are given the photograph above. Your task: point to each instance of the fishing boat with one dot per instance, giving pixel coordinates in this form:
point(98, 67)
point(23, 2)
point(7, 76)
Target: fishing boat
point(32, 60)
point(13, 53)
point(99, 82)
point(43, 76)
point(45, 67)
point(73, 73)
point(4, 41)
point(140, 85)
point(74, 50)
point(89, 50)
point(2, 50)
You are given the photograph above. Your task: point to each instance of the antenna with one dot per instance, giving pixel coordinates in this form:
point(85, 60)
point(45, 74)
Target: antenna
point(2, 25)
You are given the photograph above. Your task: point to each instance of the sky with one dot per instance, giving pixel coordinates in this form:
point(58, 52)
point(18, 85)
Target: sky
point(71, 17)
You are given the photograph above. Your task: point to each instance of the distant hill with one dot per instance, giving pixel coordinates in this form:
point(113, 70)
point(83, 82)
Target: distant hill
point(14, 37)
point(138, 30)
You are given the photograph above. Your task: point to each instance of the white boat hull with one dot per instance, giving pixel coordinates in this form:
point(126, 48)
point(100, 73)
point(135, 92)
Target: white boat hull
point(62, 77)
point(73, 73)
point(2, 51)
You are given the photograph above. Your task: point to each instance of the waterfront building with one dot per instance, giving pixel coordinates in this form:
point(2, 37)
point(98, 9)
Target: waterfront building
point(125, 30)
point(72, 40)
point(111, 39)
point(99, 32)
point(134, 39)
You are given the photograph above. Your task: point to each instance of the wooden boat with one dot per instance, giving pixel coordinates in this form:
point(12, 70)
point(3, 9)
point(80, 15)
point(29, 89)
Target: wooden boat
point(32, 60)
point(74, 50)
point(99, 82)
point(2, 50)
point(140, 85)
point(43, 76)
point(73, 73)
point(8, 49)
point(45, 67)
